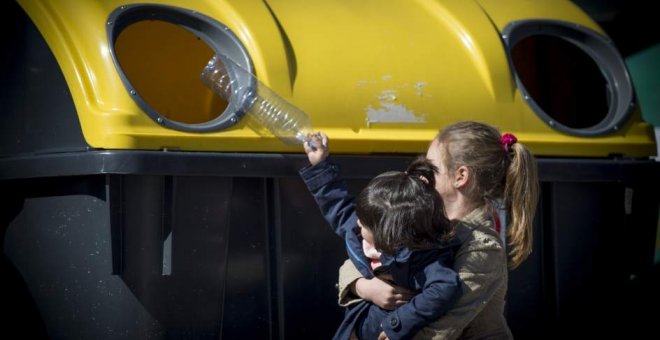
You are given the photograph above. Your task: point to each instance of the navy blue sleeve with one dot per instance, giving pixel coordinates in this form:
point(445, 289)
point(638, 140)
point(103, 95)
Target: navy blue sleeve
point(440, 290)
point(337, 206)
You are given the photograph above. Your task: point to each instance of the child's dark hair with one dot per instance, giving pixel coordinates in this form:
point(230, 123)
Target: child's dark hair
point(403, 209)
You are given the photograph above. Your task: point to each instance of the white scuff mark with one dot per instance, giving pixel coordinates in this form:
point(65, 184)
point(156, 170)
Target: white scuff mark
point(388, 95)
point(387, 77)
point(420, 88)
point(392, 113)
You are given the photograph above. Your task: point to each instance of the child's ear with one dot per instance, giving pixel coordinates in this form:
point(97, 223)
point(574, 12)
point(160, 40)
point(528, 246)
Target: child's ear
point(360, 223)
point(461, 176)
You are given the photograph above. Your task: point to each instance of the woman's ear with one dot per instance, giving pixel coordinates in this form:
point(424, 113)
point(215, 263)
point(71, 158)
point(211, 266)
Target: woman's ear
point(461, 176)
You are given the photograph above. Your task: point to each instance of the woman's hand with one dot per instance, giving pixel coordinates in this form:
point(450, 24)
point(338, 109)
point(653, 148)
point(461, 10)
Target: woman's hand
point(382, 293)
point(316, 147)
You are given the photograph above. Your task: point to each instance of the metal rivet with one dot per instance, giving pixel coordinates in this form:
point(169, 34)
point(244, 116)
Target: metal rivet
point(133, 92)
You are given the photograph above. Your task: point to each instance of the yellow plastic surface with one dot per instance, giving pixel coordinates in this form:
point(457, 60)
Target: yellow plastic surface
point(377, 76)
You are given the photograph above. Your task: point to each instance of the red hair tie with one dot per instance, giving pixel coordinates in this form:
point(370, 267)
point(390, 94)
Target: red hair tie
point(507, 140)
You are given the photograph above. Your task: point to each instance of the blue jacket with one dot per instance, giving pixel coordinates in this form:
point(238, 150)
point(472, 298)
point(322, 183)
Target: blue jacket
point(427, 271)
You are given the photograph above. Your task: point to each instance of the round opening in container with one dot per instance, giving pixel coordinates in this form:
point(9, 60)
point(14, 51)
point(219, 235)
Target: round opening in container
point(150, 55)
point(572, 78)
point(160, 52)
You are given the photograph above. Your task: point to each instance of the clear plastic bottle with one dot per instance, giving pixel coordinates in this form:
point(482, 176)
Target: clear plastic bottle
point(262, 104)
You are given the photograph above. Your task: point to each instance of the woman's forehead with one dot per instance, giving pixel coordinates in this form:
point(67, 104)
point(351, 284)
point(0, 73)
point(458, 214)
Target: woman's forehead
point(434, 150)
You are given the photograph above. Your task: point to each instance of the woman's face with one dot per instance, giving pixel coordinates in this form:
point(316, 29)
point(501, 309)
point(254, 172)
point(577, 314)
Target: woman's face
point(443, 182)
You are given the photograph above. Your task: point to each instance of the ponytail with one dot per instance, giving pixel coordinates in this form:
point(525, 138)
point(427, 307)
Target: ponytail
point(521, 191)
point(422, 168)
point(501, 168)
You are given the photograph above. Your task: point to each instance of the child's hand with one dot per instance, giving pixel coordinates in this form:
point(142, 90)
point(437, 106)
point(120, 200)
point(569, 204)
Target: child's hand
point(319, 150)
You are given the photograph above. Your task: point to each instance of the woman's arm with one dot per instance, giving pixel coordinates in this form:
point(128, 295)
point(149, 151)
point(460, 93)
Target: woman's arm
point(481, 265)
point(440, 289)
point(353, 287)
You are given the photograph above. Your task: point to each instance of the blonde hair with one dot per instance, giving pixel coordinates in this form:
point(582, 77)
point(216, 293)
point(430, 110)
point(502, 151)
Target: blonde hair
point(497, 172)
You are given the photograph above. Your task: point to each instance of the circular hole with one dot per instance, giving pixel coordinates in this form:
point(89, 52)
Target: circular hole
point(163, 61)
point(563, 80)
point(573, 78)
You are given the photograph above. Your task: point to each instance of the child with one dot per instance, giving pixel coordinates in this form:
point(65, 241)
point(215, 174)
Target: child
point(478, 166)
point(401, 215)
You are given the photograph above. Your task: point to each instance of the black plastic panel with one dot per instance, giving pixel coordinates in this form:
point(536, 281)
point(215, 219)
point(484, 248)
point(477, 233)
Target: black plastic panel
point(206, 246)
point(36, 108)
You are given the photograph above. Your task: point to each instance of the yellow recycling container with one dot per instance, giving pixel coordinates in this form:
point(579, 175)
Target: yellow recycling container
point(377, 76)
point(139, 203)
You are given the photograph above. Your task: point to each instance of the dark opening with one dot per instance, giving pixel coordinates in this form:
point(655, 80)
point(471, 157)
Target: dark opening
point(562, 79)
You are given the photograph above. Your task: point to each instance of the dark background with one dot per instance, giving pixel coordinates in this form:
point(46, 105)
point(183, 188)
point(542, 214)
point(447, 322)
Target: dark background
point(632, 24)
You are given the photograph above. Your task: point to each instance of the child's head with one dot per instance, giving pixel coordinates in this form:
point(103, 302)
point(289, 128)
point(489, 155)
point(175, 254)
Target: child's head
point(403, 209)
point(499, 167)
point(476, 146)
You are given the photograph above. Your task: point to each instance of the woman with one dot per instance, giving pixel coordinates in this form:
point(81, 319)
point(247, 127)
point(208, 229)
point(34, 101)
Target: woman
point(478, 168)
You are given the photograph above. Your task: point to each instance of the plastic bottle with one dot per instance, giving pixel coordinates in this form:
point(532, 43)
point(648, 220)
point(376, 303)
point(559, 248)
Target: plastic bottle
point(262, 104)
